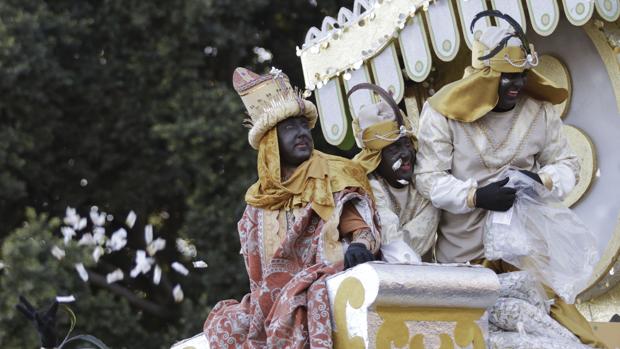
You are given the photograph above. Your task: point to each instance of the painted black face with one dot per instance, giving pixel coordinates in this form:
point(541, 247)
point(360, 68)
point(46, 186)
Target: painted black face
point(510, 87)
point(401, 149)
point(294, 141)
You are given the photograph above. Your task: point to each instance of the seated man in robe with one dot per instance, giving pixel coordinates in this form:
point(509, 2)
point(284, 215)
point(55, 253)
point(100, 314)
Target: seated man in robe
point(499, 115)
point(388, 155)
point(307, 211)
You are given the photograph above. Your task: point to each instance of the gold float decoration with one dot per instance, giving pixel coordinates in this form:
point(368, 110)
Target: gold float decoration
point(352, 292)
point(582, 145)
point(394, 330)
point(557, 71)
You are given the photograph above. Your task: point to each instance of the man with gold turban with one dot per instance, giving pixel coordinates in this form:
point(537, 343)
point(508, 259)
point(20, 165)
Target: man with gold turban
point(388, 154)
point(309, 215)
point(499, 115)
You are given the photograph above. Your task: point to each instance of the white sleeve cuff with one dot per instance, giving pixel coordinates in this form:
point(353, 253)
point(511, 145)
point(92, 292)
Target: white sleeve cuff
point(562, 177)
point(450, 194)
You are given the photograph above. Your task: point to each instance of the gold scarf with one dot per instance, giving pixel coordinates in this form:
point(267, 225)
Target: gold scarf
point(475, 95)
point(314, 181)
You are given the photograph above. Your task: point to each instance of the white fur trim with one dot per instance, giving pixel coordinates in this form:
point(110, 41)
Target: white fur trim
point(285, 110)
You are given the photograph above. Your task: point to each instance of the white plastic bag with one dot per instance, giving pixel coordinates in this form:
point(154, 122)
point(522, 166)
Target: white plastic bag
point(541, 235)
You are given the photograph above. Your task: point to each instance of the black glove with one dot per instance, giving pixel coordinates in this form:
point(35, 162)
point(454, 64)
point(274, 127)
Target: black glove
point(45, 321)
point(357, 253)
point(495, 196)
point(532, 175)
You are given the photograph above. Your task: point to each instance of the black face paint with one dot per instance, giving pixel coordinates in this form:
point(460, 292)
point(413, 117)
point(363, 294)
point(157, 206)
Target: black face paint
point(402, 150)
point(510, 87)
point(294, 141)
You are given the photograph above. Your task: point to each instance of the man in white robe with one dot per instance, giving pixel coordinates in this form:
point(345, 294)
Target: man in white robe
point(388, 156)
point(499, 115)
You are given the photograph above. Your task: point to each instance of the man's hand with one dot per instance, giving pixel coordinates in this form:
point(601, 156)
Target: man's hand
point(532, 175)
point(357, 253)
point(45, 321)
point(495, 197)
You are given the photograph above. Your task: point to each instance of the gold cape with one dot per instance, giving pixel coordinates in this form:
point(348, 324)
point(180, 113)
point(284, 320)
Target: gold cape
point(314, 181)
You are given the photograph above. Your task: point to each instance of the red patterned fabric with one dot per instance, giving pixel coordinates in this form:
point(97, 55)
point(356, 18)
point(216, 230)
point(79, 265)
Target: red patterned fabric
point(288, 305)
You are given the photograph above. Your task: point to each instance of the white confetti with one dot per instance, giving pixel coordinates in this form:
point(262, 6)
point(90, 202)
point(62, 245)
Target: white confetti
point(82, 271)
point(97, 253)
point(131, 219)
point(200, 264)
point(148, 233)
point(86, 240)
point(96, 217)
point(65, 299)
point(186, 248)
point(397, 164)
point(71, 217)
point(99, 235)
point(143, 264)
point(180, 268)
point(81, 224)
point(58, 252)
point(177, 293)
point(118, 240)
point(68, 233)
point(157, 245)
point(2, 265)
point(157, 275)
point(114, 276)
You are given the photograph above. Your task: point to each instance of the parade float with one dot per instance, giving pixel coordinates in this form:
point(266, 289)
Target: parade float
point(412, 48)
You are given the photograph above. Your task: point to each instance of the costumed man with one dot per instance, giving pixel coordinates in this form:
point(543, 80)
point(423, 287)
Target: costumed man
point(306, 213)
point(499, 115)
point(388, 154)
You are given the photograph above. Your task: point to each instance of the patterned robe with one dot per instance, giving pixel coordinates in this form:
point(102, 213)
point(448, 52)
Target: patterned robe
point(287, 306)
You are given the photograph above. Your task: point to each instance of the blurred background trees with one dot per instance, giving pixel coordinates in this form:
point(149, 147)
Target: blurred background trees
point(128, 105)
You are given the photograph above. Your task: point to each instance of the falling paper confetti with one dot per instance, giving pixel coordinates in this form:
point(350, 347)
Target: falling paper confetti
point(68, 234)
point(2, 265)
point(199, 264)
point(157, 245)
point(82, 271)
point(71, 217)
point(186, 248)
point(97, 253)
point(177, 293)
point(58, 252)
point(131, 219)
point(397, 164)
point(81, 224)
point(86, 240)
point(143, 264)
point(97, 218)
point(65, 299)
point(157, 275)
point(99, 235)
point(148, 233)
point(114, 276)
point(118, 240)
point(180, 268)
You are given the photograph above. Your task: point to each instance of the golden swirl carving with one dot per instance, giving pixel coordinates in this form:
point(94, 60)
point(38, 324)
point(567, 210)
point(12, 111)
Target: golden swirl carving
point(394, 330)
point(582, 145)
point(350, 291)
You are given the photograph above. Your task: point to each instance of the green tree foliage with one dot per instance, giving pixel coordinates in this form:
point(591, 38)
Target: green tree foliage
point(128, 105)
